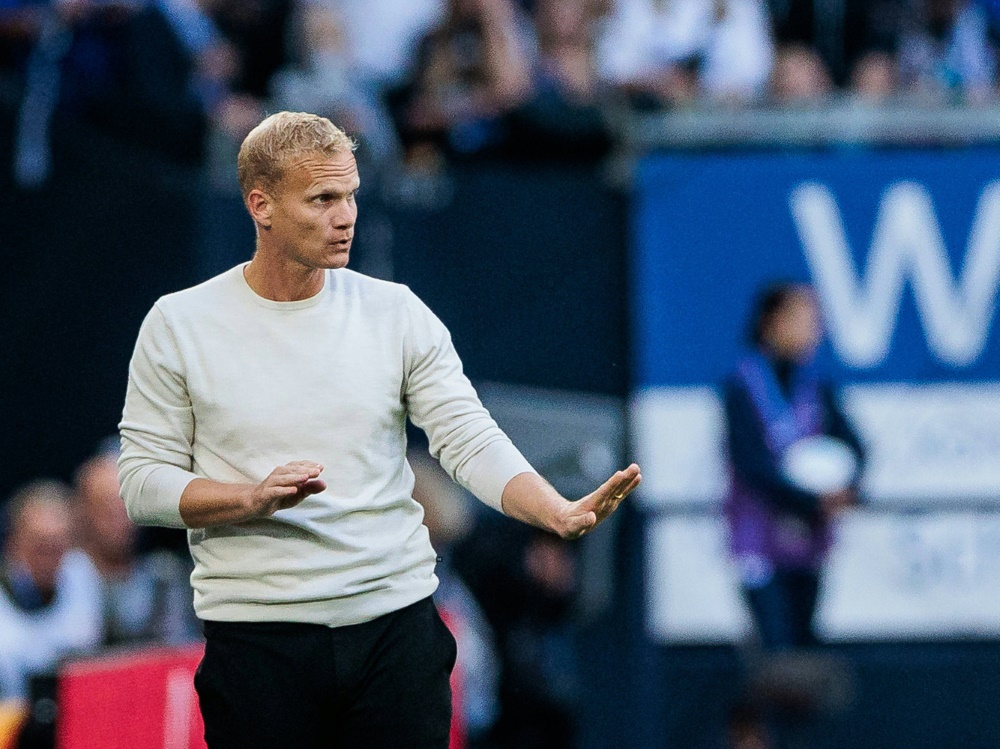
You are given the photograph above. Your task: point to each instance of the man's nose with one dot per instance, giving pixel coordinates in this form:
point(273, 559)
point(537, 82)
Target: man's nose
point(345, 219)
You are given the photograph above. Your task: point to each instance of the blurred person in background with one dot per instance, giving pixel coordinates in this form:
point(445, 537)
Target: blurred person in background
point(799, 76)
point(145, 597)
point(347, 67)
point(471, 71)
point(947, 52)
point(382, 54)
point(527, 583)
point(824, 47)
point(49, 605)
point(325, 80)
point(114, 67)
point(674, 52)
point(449, 519)
point(260, 34)
point(562, 118)
point(18, 28)
point(779, 520)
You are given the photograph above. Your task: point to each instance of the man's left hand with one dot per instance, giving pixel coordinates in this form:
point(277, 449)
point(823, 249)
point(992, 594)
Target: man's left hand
point(586, 514)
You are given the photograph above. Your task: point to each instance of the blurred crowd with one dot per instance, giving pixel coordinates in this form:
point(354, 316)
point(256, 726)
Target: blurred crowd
point(77, 578)
point(419, 81)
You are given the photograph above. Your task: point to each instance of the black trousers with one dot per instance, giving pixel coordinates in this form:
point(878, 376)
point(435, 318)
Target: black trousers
point(383, 684)
point(783, 609)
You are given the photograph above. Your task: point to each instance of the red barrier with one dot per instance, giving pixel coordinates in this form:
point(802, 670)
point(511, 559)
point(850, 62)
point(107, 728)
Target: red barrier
point(457, 735)
point(138, 701)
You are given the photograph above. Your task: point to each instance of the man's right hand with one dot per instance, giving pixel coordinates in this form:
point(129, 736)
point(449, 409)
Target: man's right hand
point(285, 487)
point(205, 503)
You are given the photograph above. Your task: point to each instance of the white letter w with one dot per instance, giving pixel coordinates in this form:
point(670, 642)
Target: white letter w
point(906, 242)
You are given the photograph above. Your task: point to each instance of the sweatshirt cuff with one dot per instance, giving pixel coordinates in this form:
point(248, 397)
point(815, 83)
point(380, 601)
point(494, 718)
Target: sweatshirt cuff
point(158, 501)
point(486, 474)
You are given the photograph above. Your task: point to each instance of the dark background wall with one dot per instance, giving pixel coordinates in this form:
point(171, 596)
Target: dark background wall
point(83, 258)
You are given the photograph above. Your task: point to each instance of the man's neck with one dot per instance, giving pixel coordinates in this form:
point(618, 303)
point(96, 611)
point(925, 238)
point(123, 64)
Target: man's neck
point(282, 280)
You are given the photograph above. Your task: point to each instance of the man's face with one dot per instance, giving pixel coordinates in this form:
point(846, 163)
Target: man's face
point(105, 522)
point(39, 540)
point(313, 210)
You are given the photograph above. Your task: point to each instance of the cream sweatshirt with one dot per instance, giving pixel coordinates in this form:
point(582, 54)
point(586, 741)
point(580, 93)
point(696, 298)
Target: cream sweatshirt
point(227, 385)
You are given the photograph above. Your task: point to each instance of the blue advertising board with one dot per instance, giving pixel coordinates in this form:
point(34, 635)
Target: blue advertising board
point(903, 251)
point(917, 232)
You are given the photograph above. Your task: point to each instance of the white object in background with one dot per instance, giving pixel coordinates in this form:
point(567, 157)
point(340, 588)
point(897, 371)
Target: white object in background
point(692, 592)
point(820, 464)
point(889, 577)
point(678, 435)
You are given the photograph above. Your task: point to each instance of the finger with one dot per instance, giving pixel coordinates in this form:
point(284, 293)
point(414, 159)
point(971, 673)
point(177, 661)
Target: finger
point(288, 479)
point(630, 480)
point(313, 486)
point(609, 503)
point(305, 464)
point(286, 502)
point(309, 466)
point(629, 475)
point(632, 486)
point(620, 496)
point(608, 487)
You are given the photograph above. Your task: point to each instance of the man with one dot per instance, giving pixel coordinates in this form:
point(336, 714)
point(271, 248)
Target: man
point(49, 606)
point(314, 577)
point(145, 597)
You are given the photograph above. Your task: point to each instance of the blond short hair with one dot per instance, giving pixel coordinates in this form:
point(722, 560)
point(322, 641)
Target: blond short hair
point(281, 137)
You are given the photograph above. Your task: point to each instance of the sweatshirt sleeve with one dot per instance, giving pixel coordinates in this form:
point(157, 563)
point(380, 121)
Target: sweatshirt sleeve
point(157, 428)
point(440, 400)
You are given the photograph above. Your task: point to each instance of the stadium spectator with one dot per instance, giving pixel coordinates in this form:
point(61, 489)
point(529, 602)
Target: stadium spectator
point(259, 31)
point(799, 76)
point(675, 53)
point(145, 597)
point(449, 519)
point(562, 119)
point(875, 76)
point(18, 28)
point(780, 527)
point(946, 52)
point(326, 81)
point(850, 40)
point(382, 54)
point(527, 583)
point(49, 606)
point(471, 71)
point(113, 68)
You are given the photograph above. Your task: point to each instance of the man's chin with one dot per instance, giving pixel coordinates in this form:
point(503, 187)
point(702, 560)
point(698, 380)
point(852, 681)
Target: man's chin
point(338, 259)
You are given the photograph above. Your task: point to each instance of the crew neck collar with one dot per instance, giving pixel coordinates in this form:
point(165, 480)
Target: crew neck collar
point(271, 303)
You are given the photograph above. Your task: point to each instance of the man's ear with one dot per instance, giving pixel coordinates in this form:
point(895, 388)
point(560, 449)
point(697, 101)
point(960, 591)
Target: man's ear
point(261, 207)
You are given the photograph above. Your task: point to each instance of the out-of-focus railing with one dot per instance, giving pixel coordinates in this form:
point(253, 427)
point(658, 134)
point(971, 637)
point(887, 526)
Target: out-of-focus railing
point(840, 122)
